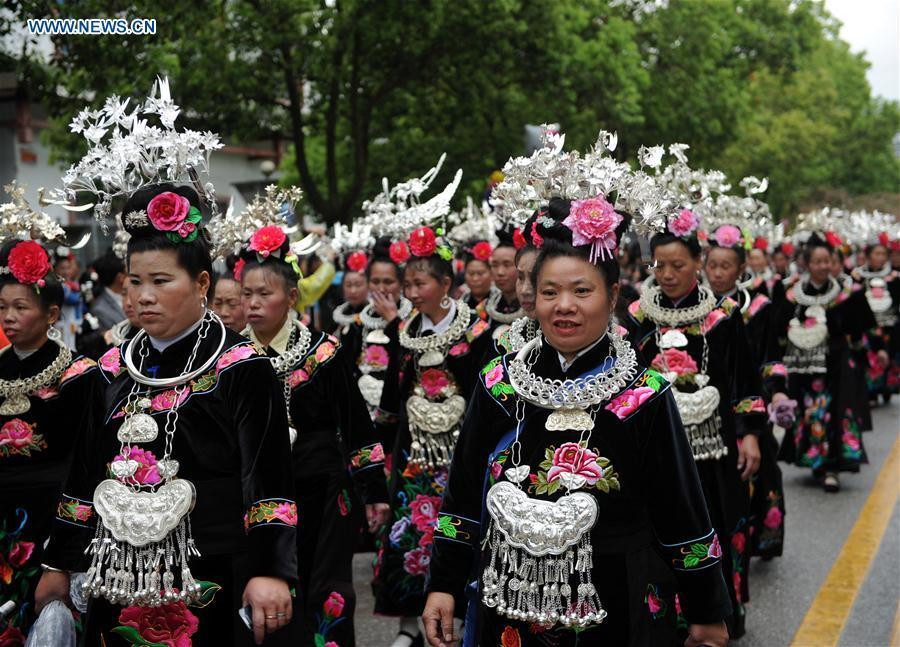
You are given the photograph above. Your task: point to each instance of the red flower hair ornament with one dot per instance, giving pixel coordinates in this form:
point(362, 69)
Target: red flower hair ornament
point(357, 262)
point(482, 251)
point(29, 264)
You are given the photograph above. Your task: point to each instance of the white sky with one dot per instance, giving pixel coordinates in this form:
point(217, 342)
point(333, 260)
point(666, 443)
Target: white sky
point(873, 26)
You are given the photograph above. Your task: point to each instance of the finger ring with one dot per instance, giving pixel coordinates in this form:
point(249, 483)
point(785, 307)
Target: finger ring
point(281, 615)
point(271, 617)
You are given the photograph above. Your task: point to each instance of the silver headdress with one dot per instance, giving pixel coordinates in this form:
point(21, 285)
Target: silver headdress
point(549, 172)
point(472, 224)
point(396, 212)
point(19, 221)
point(748, 213)
point(871, 227)
point(229, 232)
point(127, 153)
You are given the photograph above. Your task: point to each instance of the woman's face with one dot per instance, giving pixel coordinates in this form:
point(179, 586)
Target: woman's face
point(758, 261)
point(524, 288)
point(356, 292)
point(723, 269)
point(425, 291)
point(676, 270)
point(478, 278)
point(23, 320)
point(572, 306)
point(780, 261)
point(165, 297)
point(227, 304)
point(267, 301)
point(503, 269)
point(128, 307)
point(385, 278)
point(877, 257)
point(820, 265)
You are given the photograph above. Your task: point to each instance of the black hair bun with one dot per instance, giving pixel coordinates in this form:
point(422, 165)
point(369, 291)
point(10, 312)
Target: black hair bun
point(505, 237)
point(382, 249)
point(142, 197)
point(815, 240)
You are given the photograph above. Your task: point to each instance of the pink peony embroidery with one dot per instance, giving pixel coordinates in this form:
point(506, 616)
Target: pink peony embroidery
point(653, 603)
point(415, 562)
point(459, 349)
point(713, 318)
point(684, 223)
point(286, 512)
point(167, 211)
point(493, 376)
point(324, 351)
point(146, 473)
point(572, 458)
point(298, 377)
point(377, 453)
point(166, 400)
point(496, 469)
point(16, 434)
point(171, 624)
point(773, 518)
point(629, 401)
point(20, 554)
point(715, 550)
point(434, 381)
point(727, 236)
point(111, 362)
point(376, 356)
point(678, 361)
point(334, 605)
point(593, 222)
point(233, 355)
point(850, 440)
point(424, 511)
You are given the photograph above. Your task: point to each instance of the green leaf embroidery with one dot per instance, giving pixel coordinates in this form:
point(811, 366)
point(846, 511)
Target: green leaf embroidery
point(690, 561)
point(445, 526)
point(700, 550)
point(548, 453)
point(208, 591)
point(601, 461)
point(613, 483)
point(546, 465)
point(603, 486)
point(134, 637)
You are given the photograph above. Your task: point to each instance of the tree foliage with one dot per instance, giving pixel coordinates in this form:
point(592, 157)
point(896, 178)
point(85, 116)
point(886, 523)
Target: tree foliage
point(364, 89)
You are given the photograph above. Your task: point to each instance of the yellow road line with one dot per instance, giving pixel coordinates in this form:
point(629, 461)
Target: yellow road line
point(895, 634)
point(825, 620)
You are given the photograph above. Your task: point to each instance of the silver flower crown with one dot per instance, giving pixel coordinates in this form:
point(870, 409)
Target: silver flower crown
point(230, 232)
point(126, 152)
point(18, 221)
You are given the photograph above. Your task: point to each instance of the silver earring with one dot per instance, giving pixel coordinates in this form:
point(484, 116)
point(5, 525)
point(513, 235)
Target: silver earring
point(204, 302)
point(53, 334)
point(446, 302)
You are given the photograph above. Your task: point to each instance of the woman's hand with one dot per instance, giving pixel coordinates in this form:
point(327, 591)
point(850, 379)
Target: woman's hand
point(884, 360)
point(53, 585)
point(384, 306)
point(748, 456)
point(377, 514)
point(270, 599)
point(712, 635)
point(438, 620)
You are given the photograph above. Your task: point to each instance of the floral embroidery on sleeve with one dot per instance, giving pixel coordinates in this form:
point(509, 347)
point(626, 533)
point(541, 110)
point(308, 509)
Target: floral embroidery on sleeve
point(757, 304)
point(635, 396)
point(655, 603)
point(76, 368)
point(477, 329)
point(451, 527)
point(75, 511)
point(774, 369)
point(235, 354)
point(695, 554)
point(459, 349)
point(17, 438)
point(493, 375)
point(366, 457)
point(750, 405)
point(269, 512)
point(317, 357)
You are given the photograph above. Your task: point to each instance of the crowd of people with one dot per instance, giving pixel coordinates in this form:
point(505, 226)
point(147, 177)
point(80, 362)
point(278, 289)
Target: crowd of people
point(556, 418)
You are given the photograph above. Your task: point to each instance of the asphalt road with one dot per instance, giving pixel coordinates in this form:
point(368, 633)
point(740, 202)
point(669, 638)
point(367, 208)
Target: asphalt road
point(817, 525)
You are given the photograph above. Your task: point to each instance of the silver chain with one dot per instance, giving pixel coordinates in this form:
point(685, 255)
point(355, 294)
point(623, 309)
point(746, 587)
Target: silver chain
point(46, 377)
point(372, 321)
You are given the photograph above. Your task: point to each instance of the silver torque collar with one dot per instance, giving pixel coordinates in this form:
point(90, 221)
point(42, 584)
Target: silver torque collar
point(803, 299)
point(440, 341)
point(675, 317)
point(490, 306)
point(373, 321)
point(341, 316)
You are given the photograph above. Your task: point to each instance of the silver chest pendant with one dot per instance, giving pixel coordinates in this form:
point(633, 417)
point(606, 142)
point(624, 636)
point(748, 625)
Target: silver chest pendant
point(541, 558)
point(15, 405)
point(143, 543)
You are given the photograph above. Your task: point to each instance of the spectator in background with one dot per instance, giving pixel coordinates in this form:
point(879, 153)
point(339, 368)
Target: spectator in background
point(66, 267)
point(226, 299)
point(107, 305)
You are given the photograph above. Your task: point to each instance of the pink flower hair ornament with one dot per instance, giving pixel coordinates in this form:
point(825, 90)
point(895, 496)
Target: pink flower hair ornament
point(684, 224)
point(594, 222)
point(728, 236)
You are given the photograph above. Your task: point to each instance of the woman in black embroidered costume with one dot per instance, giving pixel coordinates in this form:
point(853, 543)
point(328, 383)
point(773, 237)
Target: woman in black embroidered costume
point(523, 329)
point(194, 421)
point(368, 339)
point(502, 306)
point(476, 258)
point(699, 342)
point(428, 383)
point(825, 317)
point(41, 384)
point(724, 266)
point(336, 461)
point(602, 472)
